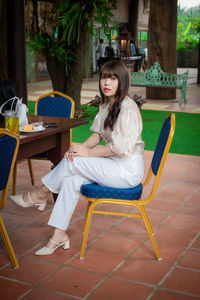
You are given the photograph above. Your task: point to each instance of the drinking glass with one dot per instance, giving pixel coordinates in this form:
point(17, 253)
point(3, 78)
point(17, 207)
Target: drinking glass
point(12, 123)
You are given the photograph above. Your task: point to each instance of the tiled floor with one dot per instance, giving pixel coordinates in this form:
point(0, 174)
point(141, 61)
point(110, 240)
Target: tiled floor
point(119, 263)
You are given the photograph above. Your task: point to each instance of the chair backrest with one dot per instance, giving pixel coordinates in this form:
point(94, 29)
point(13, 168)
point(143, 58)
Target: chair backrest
point(9, 144)
point(161, 151)
point(133, 50)
point(51, 106)
point(141, 52)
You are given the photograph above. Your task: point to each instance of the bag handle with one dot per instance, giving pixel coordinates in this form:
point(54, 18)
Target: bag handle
point(13, 100)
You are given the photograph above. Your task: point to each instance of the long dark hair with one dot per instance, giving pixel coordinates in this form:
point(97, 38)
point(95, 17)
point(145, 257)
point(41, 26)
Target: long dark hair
point(118, 69)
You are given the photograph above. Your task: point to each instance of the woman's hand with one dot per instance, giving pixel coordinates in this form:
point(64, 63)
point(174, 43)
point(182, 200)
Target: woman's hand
point(77, 149)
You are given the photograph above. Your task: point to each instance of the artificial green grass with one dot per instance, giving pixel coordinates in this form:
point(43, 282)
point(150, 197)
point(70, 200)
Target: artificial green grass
point(31, 107)
point(187, 131)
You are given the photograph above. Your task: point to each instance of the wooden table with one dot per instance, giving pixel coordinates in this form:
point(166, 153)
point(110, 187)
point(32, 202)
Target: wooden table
point(55, 140)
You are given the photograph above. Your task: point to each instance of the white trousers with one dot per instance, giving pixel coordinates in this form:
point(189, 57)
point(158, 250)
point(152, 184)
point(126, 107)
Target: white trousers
point(67, 177)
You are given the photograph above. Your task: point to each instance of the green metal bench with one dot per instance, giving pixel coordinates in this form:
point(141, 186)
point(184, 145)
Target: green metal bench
point(156, 77)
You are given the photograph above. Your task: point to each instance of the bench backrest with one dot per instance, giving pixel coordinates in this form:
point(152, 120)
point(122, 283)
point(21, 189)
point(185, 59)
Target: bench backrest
point(155, 76)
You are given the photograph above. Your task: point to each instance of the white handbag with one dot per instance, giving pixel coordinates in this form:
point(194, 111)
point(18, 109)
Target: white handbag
point(19, 111)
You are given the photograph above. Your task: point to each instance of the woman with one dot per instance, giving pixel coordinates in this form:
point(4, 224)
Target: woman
point(118, 163)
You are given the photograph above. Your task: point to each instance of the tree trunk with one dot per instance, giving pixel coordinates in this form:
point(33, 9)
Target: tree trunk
point(57, 72)
point(162, 43)
point(76, 73)
point(133, 20)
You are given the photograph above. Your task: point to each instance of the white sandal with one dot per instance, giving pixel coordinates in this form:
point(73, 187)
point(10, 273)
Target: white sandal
point(18, 199)
point(48, 251)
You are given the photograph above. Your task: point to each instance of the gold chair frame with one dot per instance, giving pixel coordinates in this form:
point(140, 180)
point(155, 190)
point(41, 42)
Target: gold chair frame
point(139, 204)
point(4, 198)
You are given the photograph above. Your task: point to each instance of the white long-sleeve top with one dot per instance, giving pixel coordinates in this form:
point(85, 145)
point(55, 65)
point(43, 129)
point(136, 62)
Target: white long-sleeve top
point(125, 139)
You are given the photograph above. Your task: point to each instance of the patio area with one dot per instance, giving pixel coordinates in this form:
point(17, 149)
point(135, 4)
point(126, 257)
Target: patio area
point(120, 263)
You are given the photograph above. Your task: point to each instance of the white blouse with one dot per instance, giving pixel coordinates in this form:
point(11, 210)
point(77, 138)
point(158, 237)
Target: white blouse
point(125, 139)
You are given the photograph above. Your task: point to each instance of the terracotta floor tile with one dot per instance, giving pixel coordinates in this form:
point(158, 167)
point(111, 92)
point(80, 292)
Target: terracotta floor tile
point(157, 218)
point(167, 206)
point(117, 208)
point(30, 271)
point(114, 289)
point(4, 258)
point(168, 295)
point(183, 280)
point(76, 236)
point(192, 178)
point(11, 290)
point(72, 281)
point(13, 221)
point(190, 210)
point(172, 194)
point(142, 271)
point(37, 228)
point(193, 170)
point(196, 243)
point(183, 222)
point(101, 222)
point(131, 226)
point(173, 170)
point(21, 243)
point(98, 261)
point(116, 244)
point(175, 236)
point(191, 259)
point(46, 295)
point(186, 187)
point(169, 253)
point(194, 199)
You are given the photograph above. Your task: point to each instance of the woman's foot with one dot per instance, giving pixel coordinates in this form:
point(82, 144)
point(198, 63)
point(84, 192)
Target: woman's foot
point(36, 198)
point(59, 239)
point(40, 195)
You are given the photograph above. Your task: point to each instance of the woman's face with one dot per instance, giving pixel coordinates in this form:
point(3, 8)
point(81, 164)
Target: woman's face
point(109, 86)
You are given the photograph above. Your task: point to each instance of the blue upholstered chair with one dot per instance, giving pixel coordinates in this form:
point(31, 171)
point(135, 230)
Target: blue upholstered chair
point(96, 194)
point(9, 144)
point(60, 106)
point(53, 104)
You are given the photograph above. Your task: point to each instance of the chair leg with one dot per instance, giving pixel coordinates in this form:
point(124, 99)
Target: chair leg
point(8, 244)
point(14, 179)
point(88, 206)
point(148, 220)
point(31, 171)
point(86, 230)
point(149, 230)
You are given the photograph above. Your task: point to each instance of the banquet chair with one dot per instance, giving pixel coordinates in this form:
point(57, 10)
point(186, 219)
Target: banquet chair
point(132, 197)
point(48, 105)
point(9, 144)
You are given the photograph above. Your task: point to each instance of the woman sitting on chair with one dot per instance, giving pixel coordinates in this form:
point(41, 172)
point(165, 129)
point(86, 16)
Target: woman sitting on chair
point(117, 164)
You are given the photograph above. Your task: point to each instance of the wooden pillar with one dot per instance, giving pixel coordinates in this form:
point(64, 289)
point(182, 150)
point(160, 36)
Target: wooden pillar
point(16, 51)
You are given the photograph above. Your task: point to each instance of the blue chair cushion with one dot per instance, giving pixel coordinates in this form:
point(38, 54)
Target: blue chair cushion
point(93, 190)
